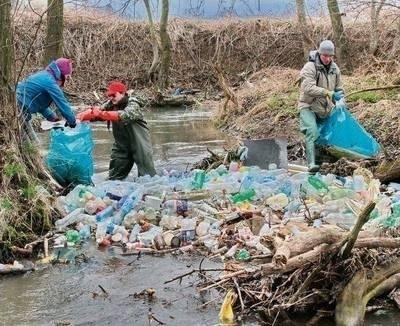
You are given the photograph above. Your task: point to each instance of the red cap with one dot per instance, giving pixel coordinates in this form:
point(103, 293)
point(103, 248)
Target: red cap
point(115, 87)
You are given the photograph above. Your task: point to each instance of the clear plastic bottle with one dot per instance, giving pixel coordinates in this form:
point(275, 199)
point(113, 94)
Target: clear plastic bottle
point(130, 202)
point(71, 218)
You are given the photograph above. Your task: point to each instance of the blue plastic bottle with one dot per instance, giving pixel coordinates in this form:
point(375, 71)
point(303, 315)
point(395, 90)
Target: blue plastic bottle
point(130, 202)
point(107, 212)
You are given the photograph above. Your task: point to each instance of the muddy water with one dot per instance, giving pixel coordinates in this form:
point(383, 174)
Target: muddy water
point(70, 294)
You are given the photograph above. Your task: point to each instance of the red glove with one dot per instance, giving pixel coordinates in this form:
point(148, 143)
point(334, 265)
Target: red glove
point(110, 116)
point(91, 114)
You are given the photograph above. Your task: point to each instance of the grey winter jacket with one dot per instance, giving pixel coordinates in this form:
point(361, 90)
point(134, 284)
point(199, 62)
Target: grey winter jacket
point(316, 82)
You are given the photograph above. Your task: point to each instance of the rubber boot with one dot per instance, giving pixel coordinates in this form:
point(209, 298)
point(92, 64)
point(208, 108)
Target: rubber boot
point(310, 154)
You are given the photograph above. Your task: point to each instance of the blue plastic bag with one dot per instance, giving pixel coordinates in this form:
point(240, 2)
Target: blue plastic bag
point(343, 135)
point(70, 157)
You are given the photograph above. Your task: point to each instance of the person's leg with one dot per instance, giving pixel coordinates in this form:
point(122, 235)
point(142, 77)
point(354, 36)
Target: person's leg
point(121, 163)
point(143, 152)
point(308, 126)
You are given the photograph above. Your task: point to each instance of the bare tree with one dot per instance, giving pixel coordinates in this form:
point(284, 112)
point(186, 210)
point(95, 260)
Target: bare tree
point(301, 19)
point(165, 41)
point(339, 34)
point(55, 27)
point(6, 56)
point(155, 64)
point(161, 46)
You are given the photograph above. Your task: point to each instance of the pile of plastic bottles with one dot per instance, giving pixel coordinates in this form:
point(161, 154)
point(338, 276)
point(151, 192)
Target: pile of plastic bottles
point(194, 208)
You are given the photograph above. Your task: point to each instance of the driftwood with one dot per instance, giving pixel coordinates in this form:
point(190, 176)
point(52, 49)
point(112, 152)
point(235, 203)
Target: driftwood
point(351, 305)
point(167, 100)
point(312, 256)
point(388, 171)
point(306, 241)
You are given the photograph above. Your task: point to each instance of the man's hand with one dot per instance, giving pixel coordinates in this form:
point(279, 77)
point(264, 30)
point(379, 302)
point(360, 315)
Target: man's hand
point(91, 114)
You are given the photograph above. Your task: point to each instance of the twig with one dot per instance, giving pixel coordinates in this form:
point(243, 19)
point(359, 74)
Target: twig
point(373, 89)
point(180, 277)
point(363, 218)
point(239, 293)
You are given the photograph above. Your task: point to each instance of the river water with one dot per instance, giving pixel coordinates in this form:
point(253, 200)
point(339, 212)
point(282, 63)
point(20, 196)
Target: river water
point(71, 294)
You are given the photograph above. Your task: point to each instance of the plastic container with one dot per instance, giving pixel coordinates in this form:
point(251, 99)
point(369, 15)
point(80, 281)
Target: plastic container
point(104, 214)
point(199, 178)
point(130, 202)
point(317, 183)
point(134, 233)
point(73, 237)
point(243, 196)
point(71, 218)
point(153, 202)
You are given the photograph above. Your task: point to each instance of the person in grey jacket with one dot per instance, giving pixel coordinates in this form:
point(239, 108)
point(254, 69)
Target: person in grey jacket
point(320, 88)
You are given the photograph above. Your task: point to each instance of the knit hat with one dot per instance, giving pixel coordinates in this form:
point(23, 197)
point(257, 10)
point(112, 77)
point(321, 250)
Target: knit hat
point(326, 47)
point(115, 87)
point(65, 66)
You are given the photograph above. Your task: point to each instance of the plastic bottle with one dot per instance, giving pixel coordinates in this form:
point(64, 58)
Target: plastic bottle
point(73, 237)
point(231, 252)
point(84, 231)
point(247, 181)
point(134, 233)
point(317, 183)
point(199, 178)
point(202, 228)
point(94, 206)
point(358, 183)
point(71, 218)
point(243, 195)
point(107, 212)
point(242, 255)
point(234, 166)
point(130, 202)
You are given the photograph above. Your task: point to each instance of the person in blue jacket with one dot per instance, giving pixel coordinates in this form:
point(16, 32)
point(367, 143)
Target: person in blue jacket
point(37, 92)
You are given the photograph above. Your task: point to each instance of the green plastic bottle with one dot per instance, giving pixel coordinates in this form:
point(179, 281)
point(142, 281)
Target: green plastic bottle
point(243, 195)
point(242, 255)
point(199, 178)
point(317, 183)
point(73, 237)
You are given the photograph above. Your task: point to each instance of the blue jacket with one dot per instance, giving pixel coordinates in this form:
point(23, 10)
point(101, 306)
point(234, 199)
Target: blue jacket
point(38, 91)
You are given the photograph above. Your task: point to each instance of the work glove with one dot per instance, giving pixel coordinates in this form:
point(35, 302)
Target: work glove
point(335, 96)
point(91, 114)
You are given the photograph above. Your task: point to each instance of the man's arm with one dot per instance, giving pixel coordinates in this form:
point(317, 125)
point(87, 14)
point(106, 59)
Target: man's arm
point(309, 83)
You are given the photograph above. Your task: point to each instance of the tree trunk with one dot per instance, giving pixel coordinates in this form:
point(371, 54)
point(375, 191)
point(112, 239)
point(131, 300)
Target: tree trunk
point(155, 65)
point(55, 27)
point(165, 47)
point(7, 82)
point(301, 20)
point(340, 37)
point(375, 12)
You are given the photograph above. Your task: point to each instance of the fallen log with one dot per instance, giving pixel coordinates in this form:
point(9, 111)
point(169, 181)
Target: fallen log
point(351, 305)
point(306, 241)
point(312, 256)
point(388, 171)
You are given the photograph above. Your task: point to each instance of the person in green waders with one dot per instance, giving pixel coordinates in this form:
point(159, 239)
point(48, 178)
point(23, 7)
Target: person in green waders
point(132, 142)
point(320, 88)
